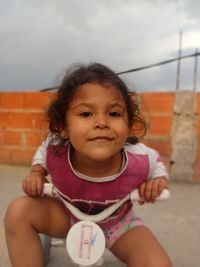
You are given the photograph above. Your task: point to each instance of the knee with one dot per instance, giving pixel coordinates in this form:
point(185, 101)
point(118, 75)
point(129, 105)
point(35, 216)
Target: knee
point(162, 262)
point(166, 262)
point(15, 213)
point(151, 262)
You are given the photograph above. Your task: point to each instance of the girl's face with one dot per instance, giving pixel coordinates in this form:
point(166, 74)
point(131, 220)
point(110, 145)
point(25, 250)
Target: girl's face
point(97, 124)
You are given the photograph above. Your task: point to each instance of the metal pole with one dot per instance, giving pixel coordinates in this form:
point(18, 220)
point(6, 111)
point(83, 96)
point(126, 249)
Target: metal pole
point(179, 63)
point(195, 70)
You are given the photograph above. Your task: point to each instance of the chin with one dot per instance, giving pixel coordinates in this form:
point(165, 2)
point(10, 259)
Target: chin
point(102, 156)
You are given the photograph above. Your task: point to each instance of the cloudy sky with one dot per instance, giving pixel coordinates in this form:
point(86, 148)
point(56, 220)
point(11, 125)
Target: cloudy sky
point(39, 40)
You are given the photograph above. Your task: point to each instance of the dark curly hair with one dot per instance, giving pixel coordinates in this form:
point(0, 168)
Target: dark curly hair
point(78, 75)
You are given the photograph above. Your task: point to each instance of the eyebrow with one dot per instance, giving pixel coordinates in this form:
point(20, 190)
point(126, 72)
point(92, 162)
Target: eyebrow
point(117, 105)
point(80, 105)
point(90, 105)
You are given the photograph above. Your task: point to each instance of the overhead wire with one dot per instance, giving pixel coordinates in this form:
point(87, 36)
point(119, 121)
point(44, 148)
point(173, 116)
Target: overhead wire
point(141, 68)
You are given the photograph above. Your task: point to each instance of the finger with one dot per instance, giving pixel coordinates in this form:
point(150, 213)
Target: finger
point(162, 185)
point(154, 191)
point(34, 190)
point(40, 187)
point(147, 191)
point(142, 191)
point(24, 186)
point(27, 187)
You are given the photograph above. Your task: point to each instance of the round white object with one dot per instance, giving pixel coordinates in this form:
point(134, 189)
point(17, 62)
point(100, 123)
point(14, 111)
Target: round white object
point(85, 243)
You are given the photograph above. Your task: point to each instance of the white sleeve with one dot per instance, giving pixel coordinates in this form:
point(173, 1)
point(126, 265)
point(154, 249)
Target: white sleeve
point(157, 168)
point(40, 155)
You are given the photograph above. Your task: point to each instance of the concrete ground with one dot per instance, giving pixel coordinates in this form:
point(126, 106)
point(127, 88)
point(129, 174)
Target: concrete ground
point(176, 222)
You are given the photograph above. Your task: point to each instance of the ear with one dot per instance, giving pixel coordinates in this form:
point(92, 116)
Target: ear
point(64, 134)
point(130, 131)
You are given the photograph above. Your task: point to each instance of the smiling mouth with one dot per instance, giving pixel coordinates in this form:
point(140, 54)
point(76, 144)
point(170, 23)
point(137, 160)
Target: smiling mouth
point(101, 138)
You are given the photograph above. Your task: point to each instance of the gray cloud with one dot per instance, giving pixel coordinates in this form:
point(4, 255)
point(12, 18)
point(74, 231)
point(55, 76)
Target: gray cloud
point(40, 39)
point(191, 8)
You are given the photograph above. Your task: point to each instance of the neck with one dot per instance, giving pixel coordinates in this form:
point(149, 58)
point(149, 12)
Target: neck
point(97, 168)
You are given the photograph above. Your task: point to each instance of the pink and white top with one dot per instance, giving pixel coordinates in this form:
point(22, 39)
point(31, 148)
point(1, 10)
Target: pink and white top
point(92, 195)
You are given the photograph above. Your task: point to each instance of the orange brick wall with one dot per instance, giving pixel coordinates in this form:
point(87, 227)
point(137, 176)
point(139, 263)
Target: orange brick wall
point(158, 111)
point(23, 124)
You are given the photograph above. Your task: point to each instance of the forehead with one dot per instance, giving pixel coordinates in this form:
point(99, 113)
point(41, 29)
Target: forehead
point(93, 92)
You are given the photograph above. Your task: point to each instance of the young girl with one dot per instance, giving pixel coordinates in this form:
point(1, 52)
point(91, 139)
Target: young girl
point(92, 163)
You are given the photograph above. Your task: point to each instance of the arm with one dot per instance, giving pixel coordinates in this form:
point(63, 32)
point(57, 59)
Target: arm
point(33, 183)
point(157, 180)
point(152, 188)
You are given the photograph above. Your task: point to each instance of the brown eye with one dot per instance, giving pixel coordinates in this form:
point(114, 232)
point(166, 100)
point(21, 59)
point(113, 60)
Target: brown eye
point(114, 114)
point(86, 114)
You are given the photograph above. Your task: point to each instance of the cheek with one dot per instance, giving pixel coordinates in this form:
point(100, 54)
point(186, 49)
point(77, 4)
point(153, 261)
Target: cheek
point(123, 126)
point(76, 132)
point(125, 132)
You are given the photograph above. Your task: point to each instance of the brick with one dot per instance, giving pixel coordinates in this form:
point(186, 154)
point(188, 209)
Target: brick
point(196, 175)
point(11, 137)
point(157, 102)
point(198, 103)
point(4, 119)
point(37, 100)
point(21, 156)
point(41, 122)
point(198, 126)
point(22, 120)
point(52, 96)
point(159, 125)
point(11, 100)
point(1, 136)
point(34, 138)
point(163, 147)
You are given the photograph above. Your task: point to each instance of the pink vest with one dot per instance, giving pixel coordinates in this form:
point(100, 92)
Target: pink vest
point(93, 197)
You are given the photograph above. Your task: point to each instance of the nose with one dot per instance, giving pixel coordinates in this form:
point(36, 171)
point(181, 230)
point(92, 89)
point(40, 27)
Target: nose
point(101, 121)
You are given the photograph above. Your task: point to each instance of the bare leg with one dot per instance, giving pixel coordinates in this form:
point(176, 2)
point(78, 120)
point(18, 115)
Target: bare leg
point(24, 219)
point(139, 248)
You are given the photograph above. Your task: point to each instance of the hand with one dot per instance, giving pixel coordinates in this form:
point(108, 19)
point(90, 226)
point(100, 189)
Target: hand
point(33, 184)
point(152, 188)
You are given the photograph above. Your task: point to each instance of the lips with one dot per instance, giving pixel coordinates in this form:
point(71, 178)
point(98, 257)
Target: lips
point(101, 138)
